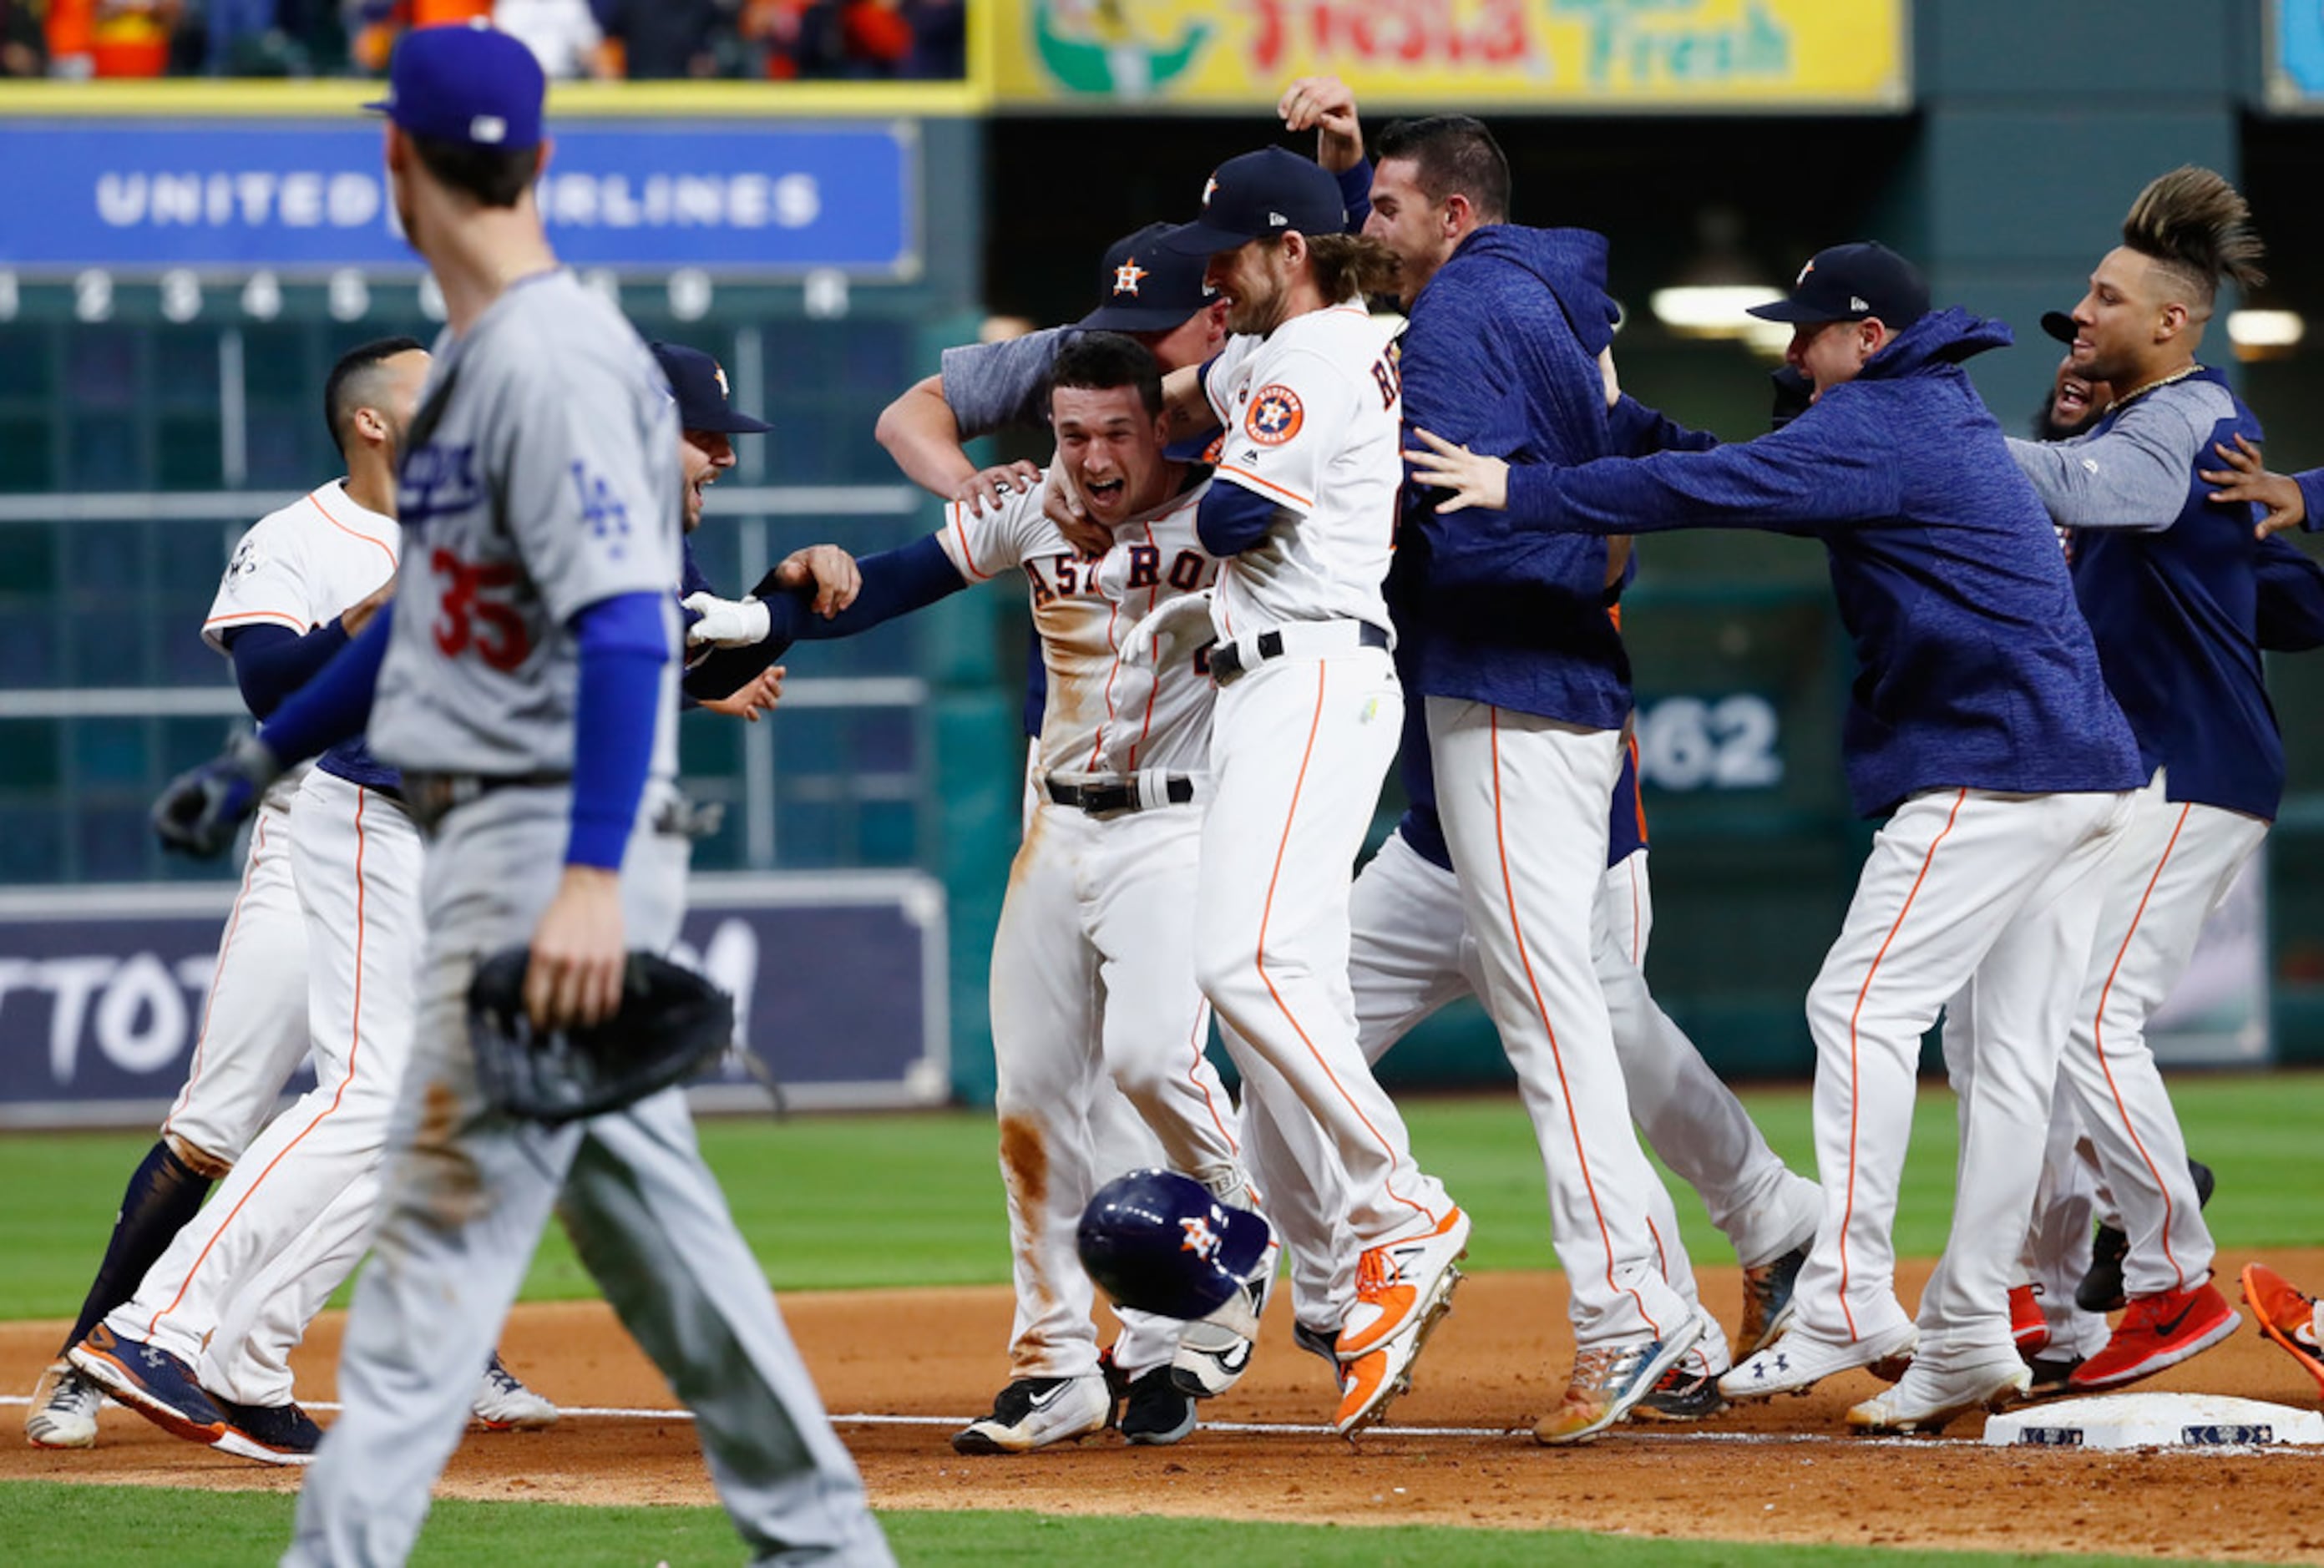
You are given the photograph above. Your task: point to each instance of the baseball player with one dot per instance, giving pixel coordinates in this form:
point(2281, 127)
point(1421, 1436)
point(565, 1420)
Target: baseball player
point(1308, 708)
point(525, 686)
point(1980, 724)
point(1528, 693)
point(1092, 964)
point(2285, 500)
point(2170, 584)
point(232, 1294)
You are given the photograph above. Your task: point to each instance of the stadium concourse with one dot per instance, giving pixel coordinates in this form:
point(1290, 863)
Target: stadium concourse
point(899, 1369)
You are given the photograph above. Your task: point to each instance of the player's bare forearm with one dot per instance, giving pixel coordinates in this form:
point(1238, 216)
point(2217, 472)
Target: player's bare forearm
point(576, 974)
point(1184, 406)
point(1329, 104)
point(918, 431)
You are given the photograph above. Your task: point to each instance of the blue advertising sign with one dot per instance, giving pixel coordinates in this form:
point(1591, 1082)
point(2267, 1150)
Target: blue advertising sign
point(2297, 33)
point(736, 198)
point(838, 984)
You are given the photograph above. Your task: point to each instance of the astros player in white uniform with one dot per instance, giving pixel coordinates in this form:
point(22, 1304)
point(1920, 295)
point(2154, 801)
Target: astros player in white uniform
point(1094, 960)
point(300, 582)
point(1308, 708)
point(525, 685)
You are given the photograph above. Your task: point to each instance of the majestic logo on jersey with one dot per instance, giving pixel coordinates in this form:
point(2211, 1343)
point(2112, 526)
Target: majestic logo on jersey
point(1274, 415)
point(1126, 276)
point(1201, 1241)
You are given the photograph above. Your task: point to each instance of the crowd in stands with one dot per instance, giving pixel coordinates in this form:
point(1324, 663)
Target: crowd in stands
point(638, 39)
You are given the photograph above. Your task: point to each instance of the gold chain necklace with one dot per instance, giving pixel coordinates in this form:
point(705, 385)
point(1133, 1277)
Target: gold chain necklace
point(2141, 392)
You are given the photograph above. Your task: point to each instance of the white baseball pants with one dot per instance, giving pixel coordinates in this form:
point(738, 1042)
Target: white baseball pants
point(2176, 864)
point(1094, 990)
point(467, 1194)
point(1988, 902)
point(1525, 801)
point(1298, 748)
point(253, 1030)
point(357, 859)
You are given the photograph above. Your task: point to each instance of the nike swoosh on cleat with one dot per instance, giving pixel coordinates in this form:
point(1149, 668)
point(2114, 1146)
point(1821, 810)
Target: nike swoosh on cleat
point(2167, 1329)
point(1043, 1401)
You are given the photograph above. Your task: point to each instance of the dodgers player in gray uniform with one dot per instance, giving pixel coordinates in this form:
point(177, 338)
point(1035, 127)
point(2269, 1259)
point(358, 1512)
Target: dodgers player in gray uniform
point(525, 684)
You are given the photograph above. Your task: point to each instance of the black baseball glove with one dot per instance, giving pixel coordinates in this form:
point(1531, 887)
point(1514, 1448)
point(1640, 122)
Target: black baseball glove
point(671, 1024)
point(201, 808)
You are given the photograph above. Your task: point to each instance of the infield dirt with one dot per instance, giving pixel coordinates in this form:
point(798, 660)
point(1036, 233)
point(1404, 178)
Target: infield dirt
point(1785, 1471)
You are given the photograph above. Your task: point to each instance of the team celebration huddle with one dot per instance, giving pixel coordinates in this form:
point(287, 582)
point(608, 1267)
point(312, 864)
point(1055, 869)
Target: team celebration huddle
point(1345, 479)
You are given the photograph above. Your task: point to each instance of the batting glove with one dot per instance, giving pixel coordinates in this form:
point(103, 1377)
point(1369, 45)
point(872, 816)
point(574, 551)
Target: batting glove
point(726, 623)
point(1169, 634)
point(198, 813)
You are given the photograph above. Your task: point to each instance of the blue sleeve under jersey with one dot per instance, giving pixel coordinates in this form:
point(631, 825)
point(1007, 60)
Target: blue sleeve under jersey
point(896, 582)
point(624, 647)
point(334, 706)
point(1230, 518)
point(271, 661)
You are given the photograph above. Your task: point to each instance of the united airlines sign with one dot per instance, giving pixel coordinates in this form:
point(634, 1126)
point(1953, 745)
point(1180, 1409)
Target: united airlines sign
point(744, 199)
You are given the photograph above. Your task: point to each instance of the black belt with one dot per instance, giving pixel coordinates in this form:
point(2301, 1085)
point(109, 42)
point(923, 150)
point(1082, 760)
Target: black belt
point(431, 797)
point(1096, 799)
point(1226, 657)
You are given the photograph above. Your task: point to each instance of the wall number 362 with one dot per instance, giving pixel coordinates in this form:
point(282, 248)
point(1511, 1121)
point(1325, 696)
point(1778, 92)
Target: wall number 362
point(1685, 743)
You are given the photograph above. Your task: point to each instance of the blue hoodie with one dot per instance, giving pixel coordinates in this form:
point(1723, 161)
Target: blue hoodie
point(1974, 666)
point(1501, 355)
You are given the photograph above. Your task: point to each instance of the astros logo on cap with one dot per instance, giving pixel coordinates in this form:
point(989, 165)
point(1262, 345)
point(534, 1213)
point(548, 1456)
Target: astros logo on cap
point(1210, 186)
point(719, 370)
point(1803, 273)
point(1274, 415)
point(1126, 276)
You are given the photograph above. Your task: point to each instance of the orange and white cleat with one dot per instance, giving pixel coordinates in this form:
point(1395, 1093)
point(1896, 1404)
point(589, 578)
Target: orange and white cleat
point(2287, 1315)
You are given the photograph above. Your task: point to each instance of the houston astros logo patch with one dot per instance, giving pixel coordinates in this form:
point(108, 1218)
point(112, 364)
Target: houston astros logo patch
point(1274, 417)
point(1126, 276)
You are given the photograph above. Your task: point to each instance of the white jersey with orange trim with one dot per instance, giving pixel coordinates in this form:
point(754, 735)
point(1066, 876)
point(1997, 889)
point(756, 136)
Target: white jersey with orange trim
point(1082, 609)
point(1313, 414)
point(301, 566)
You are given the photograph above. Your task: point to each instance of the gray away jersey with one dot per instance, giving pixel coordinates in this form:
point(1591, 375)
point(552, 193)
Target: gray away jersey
point(541, 478)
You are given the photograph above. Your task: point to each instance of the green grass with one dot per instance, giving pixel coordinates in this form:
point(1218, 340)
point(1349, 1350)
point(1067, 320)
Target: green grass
point(51, 1525)
point(885, 1201)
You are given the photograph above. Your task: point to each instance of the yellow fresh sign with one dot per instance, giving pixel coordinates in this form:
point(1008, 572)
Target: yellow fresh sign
point(1528, 54)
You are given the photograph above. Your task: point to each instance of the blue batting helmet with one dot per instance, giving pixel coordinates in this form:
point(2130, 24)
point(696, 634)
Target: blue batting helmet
point(1158, 1242)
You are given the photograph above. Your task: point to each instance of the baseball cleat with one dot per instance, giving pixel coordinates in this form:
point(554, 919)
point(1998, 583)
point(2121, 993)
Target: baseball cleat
point(1401, 1283)
point(269, 1433)
point(1157, 1410)
point(1036, 1412)
point(1688, 1391)
point(1799, 1361)
point(2100, 1289)
point(1318, 1342)
point(2052, 1377)
point(1369, 1382)
point(63, 1411)
point(1767, 1306)
point(152, 1382)
point(1925, 1398)
point(2027, 1324)
point(504, 1403)
point(1609, 1380)
point(1215, 1352)
point(2284, 1313)
point(2158, 1331)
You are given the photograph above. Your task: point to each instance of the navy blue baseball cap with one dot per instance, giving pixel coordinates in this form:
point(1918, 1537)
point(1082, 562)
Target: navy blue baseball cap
point(2060, 326)
point(699, 385)
point(1147, 289)
point(1271, 191)
point(1158, 1242)
point(1852, 282)
point(467, 85)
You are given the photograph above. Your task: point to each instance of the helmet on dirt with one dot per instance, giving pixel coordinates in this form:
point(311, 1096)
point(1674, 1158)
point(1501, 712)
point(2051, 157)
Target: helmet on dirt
point(1158, 1242)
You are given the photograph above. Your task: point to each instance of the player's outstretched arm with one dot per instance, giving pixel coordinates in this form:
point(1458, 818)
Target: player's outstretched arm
point(199, 810)
point(920, 431)
point(889, 584)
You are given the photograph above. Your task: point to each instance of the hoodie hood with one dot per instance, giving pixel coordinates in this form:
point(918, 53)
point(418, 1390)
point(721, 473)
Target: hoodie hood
point(1571, 262)
point(1944, 336)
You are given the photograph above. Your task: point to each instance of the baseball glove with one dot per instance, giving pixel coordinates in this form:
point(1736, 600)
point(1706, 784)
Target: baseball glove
point(672, 1023)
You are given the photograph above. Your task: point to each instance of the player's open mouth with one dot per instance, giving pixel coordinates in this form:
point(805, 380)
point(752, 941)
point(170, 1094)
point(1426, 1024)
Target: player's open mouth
point(2073, 397)
point(1105, 492)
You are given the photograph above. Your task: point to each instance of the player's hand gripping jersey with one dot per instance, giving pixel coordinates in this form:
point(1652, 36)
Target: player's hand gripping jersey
point(1310, 414)
point(1100, 717)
